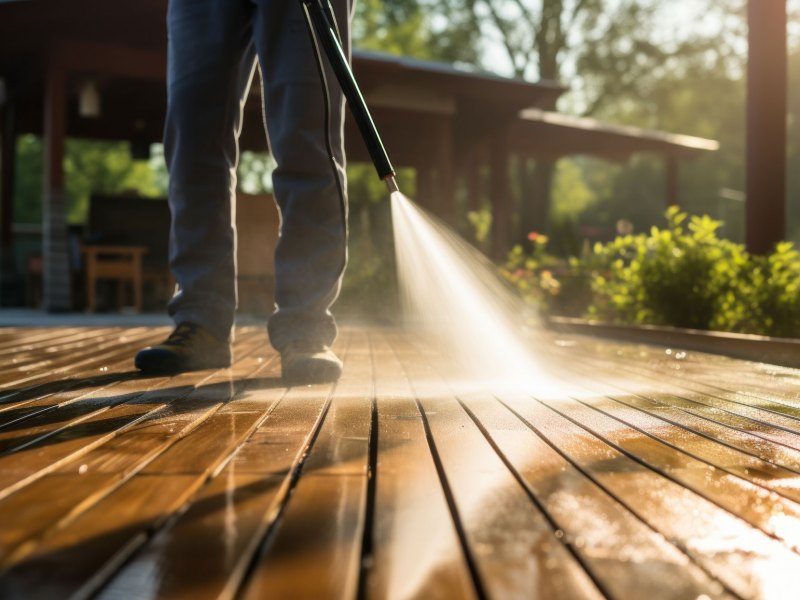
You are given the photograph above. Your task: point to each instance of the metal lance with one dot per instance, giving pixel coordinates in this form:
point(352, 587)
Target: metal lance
point(322, 24)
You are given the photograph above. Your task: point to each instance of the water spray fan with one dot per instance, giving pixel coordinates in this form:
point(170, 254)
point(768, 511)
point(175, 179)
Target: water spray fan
point(322, 25)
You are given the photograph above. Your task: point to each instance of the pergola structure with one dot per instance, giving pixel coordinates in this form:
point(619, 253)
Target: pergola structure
point(765, 209)
point(446, 123)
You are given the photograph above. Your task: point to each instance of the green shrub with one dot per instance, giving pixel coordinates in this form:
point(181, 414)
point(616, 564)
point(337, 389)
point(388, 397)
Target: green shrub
point(776, 292)
point(552, 285)
point(682, 275)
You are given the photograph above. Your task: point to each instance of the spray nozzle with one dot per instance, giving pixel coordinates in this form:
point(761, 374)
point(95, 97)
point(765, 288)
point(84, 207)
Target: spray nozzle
point(391, 183)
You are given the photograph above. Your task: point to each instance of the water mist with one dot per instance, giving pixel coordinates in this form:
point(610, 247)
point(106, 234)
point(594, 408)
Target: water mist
point(453, 293)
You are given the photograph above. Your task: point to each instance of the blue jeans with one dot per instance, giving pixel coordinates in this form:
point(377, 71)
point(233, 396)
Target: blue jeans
point(213, 48)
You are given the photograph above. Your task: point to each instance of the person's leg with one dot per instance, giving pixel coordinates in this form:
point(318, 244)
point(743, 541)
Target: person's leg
point(210, 65)
point(309, 182)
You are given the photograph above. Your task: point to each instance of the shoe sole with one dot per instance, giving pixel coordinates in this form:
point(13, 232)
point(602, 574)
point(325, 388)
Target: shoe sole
point(311, 371)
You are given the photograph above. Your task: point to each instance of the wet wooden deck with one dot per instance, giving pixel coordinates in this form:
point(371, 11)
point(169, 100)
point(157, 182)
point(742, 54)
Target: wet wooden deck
point(646, 474)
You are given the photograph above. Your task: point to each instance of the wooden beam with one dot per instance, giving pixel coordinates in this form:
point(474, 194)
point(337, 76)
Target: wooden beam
point(55, 249)
point(765, 210)
point(7, 167)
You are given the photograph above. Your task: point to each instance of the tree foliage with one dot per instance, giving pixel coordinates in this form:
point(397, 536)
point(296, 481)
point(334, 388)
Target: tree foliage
point(416, 28)
point(89, 167)
point(604, 50)
point(682, 274)
point(677, 67)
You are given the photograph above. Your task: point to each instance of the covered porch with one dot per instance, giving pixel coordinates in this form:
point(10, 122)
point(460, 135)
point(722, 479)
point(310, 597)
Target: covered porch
point(458, 129)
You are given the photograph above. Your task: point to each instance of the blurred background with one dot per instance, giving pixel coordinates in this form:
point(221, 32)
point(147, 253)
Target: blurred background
point(627, 107)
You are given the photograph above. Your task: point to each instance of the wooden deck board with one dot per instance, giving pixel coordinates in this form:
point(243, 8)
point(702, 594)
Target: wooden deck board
point(38, 455)
point(223, 526)
point(620, 550)
point(706, 414)
point(321, 528)
point(414, 550)
point(18, 389)
point(644, 473)
point(516, 551)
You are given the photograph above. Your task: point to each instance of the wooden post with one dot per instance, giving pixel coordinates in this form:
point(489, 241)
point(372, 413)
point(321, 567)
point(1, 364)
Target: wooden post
point(765, 210)
point(528, 200)
point(55, 250)
point(541, 191)
point(426, 188)
point(673, 186)
point(474, 182)
point(500, 195)
point(468, 171)
point(445, 175)
point(8, 271)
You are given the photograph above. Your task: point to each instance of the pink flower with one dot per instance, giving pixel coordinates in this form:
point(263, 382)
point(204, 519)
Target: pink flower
point(537, 238)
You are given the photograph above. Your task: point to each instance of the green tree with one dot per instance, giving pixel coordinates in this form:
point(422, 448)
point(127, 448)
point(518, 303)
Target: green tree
point(675, 66)
point(398, 27)
point(106, 168)
point(89, 167)
point(556, 39)
point(416, 28)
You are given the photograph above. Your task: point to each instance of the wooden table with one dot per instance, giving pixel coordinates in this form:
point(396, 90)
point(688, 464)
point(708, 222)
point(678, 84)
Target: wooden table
point(644, 473)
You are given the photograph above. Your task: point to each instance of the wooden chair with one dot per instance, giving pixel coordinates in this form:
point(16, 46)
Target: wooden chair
point(122, 264)
point(126, 242)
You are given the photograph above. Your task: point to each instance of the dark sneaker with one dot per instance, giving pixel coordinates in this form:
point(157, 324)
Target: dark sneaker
point(305, 362)
point(189, 347)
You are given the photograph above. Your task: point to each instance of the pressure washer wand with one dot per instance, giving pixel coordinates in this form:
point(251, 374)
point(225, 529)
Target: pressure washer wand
point(322, 22)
